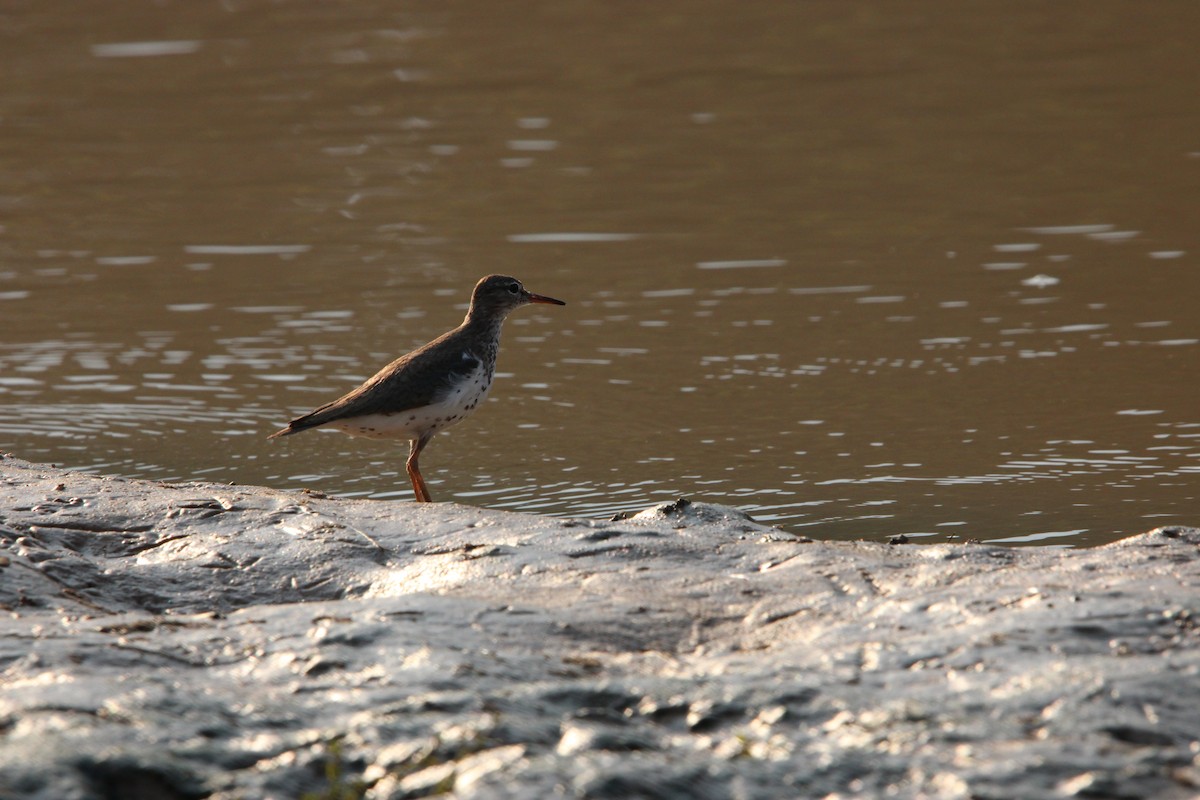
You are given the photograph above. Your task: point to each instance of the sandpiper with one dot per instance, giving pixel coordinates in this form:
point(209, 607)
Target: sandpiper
point(434, 386)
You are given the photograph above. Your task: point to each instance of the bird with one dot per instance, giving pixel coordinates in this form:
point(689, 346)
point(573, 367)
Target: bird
point(435, 386)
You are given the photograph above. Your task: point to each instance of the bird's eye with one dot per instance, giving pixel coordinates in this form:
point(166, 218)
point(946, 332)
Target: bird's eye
point(514, 288)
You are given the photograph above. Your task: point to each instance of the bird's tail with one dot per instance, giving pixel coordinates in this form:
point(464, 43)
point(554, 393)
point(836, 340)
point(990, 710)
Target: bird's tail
point(312, 419)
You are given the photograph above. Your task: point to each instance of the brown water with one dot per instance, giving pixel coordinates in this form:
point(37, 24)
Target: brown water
point(859, 268)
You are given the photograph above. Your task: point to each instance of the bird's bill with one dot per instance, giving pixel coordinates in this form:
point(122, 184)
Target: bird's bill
point(537, 298)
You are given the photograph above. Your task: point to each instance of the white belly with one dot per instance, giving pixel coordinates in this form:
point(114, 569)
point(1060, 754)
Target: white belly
point(450, 410)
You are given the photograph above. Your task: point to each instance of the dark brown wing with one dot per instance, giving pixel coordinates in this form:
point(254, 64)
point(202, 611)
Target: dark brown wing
point(418, 379)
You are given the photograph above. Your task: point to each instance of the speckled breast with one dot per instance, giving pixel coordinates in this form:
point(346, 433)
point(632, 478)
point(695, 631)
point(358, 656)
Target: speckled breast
point(456, 404)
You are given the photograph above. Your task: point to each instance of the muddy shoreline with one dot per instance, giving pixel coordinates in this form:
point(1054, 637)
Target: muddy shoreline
point(205, 640)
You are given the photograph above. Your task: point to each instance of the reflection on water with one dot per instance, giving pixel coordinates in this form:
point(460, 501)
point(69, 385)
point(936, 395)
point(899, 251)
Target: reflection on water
point(818, 265)
point(818, 437)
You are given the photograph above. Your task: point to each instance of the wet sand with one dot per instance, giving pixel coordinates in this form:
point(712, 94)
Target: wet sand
point(208, 640)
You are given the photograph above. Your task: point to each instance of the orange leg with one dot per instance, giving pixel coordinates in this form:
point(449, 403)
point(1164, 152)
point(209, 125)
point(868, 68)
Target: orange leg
point(414, 471)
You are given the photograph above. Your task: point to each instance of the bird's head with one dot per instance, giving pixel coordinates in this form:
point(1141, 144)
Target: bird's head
point(496, 295)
